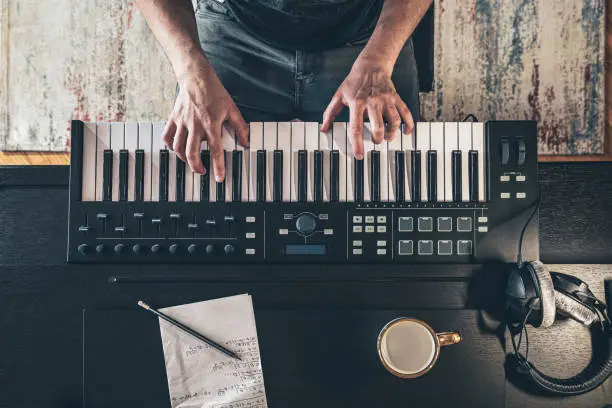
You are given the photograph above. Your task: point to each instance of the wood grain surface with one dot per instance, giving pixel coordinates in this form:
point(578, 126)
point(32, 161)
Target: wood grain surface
point(499, 59)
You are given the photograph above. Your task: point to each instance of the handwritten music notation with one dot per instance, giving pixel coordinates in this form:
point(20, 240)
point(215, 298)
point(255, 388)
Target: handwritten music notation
point(200, 376)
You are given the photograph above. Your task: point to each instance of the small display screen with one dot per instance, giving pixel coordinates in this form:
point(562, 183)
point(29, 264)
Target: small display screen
point(304, 249)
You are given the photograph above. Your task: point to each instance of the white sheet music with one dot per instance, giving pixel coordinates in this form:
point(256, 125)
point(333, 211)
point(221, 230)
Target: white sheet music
point(200, 376)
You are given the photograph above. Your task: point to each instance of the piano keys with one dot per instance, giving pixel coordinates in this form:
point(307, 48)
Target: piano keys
point(289, 162)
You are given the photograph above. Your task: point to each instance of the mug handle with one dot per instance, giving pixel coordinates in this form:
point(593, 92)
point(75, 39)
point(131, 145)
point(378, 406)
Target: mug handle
point(448, 338)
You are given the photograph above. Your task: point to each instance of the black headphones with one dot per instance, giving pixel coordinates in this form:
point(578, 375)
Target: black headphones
point(534, 296)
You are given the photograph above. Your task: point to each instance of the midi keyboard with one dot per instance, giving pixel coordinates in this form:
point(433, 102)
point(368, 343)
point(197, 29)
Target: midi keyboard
point(452, 192)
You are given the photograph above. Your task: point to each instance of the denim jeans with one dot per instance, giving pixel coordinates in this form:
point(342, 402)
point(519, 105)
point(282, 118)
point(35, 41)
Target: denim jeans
point(272, 84)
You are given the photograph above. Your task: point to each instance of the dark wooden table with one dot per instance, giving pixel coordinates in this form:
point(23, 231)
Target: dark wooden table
point(42, 299)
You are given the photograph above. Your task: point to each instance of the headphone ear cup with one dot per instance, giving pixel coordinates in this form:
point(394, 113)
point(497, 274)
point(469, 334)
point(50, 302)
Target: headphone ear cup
point(547, 293)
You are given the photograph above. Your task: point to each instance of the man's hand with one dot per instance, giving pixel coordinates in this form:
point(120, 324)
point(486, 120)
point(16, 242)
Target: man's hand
point(202, 107)
point(368, 91)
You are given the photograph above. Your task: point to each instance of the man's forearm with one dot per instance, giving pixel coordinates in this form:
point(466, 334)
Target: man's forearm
point(173, 24)
point(398, 20)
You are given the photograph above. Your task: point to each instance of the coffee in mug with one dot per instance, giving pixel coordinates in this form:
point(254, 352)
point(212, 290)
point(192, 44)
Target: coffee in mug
point(409, 348)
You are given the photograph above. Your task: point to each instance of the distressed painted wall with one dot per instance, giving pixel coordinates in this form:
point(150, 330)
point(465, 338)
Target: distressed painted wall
point(503, 59)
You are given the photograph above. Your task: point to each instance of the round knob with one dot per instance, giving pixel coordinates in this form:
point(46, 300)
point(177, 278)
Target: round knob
point(191, 248)
point(83, 249)
point(173, 248)
point(137, 248)
point(210, 249)
point(305, 224)
point(119, 248)
point(100, 248)
point(229, 248)
point(155, 248)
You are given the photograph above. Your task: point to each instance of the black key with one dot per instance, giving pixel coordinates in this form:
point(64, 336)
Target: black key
point(302, 189)
point(107, 176)
point(318, 176)
point(277, 188)
point(221, 191)
point(473, 174)
point(261, 176)
point(432, 175)
point(139, 175)
point(358, 184)
point(124, 157)
point(205, 178)
point(400, 176)
point(180, 180)
point(334, 182)
point(456, 173)
point(163, 174)
point(415, 169)
point(237, 175)
point(375, 175)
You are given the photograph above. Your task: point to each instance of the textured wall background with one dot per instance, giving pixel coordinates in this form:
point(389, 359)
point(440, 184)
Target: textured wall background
point(504, 59)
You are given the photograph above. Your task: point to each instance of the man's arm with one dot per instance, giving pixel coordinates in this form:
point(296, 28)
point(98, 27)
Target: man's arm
point(368, 88)
point(195, 116)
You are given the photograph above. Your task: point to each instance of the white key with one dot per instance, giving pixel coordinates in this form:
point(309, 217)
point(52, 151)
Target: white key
point(392, 147)
point(284, 144)
point(350, 170)
point(245, 172)
point(368, 147)
point(197, 179)
point(172, 159)
point(145, 142)
point(117, 143)
point(450, 144)
point(158, 144)
point(229, 176)
point(339, 143)
point(478, 143)
point(255, 144)
point(437, 144)
point(408, 147)
point(88, 182)
point(325, 145)
point(465, 144)
point(104, 143)
point(269, 145)
point(384, 171)
point(131, 145)
point(423, 145)
point(311, 144)
point(212, 184)
point(188, 183)
point(298, 137)
point(229, 144)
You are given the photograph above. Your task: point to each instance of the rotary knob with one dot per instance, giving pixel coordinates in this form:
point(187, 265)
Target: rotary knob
point(155, 248)
point(305, 224)
point(173, 248)
point(100, 248)
point(192, 248)
point(210, 249)
point(137, 248)
point(119, 248)
point(83, 249)
point(229, 248)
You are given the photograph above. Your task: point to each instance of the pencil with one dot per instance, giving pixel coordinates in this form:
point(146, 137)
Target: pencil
point(189, 331)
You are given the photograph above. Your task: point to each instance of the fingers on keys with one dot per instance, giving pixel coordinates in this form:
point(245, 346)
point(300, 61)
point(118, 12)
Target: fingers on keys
point(287, 161)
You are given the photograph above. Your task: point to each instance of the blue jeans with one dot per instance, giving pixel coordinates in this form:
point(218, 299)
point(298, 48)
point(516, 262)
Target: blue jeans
point(272, 84)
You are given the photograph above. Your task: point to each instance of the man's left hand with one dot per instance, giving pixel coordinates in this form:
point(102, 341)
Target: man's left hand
point(368, 91)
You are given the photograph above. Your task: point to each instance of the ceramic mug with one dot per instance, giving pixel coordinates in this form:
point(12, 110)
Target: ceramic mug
point(409, 348)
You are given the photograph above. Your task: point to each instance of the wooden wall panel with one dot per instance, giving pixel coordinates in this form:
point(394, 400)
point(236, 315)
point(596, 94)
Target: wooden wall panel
point(498, 59)
point(523, 59)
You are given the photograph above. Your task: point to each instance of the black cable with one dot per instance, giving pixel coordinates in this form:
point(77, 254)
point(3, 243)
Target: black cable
point(519, 256)
point(472, 116)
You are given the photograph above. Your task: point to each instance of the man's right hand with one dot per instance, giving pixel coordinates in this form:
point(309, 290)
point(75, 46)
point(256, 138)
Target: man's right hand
point(202, 107)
